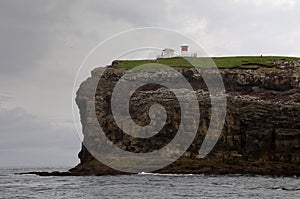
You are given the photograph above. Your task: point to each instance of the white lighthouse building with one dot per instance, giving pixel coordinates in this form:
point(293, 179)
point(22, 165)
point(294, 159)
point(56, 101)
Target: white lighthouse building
point(184, 52)
point(167, 53)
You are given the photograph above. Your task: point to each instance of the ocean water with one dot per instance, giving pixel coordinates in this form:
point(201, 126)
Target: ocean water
point(145, 186)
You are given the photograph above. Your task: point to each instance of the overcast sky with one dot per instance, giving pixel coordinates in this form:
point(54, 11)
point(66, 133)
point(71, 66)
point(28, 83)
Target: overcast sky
point(42, 45)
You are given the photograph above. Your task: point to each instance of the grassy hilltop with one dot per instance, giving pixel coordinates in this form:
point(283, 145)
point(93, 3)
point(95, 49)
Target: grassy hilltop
point(246, 62)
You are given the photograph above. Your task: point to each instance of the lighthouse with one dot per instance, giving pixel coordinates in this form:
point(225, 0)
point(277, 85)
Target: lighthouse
point(184, 50)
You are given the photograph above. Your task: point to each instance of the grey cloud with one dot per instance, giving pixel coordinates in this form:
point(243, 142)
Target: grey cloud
point(5, 96)
point(139, 13)
point(23, 133)
point(245, 28)
point(26, 30)
point(19, 51)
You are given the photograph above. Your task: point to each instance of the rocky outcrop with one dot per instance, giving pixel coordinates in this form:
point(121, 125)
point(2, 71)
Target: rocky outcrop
point(261, 134)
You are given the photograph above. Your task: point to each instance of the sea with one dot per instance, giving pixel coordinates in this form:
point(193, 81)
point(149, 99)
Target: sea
point(144, 185)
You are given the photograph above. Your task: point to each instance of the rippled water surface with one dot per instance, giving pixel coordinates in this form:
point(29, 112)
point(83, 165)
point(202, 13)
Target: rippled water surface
point(144, 186)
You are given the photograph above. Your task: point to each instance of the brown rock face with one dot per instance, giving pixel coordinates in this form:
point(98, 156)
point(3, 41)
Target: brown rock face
point(261, 134)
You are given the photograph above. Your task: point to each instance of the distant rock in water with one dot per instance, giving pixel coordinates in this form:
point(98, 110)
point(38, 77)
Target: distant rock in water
point(261, 134)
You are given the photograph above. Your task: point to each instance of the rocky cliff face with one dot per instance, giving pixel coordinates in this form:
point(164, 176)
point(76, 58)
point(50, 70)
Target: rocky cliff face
point(261, 133)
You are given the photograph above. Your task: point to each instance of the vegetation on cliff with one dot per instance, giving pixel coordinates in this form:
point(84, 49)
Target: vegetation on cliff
point(243, 62)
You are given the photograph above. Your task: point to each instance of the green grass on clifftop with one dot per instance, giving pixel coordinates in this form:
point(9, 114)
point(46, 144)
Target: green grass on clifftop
point(246, 62)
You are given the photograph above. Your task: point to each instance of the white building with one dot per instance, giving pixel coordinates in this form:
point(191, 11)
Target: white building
point(167, 53)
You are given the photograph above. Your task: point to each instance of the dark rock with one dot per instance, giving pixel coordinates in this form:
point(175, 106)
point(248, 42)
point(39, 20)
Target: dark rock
point(261, 133)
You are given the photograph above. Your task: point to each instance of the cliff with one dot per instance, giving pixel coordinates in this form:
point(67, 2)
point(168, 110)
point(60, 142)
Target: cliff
point(261, 134)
